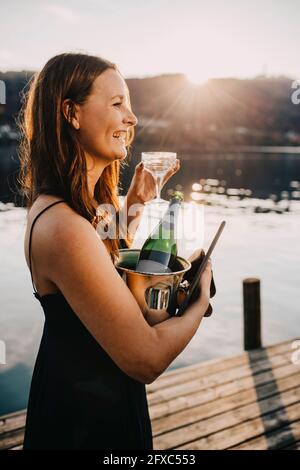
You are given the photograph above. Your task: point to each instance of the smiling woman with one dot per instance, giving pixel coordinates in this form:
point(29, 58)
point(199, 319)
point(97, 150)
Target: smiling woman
point(76, 133)
point(98, 349)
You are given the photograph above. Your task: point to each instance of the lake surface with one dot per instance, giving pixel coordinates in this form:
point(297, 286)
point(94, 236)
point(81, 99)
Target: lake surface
point(252, 244)
point(262, 170)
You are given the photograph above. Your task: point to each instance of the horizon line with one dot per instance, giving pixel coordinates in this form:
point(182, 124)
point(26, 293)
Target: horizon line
point(162, 74)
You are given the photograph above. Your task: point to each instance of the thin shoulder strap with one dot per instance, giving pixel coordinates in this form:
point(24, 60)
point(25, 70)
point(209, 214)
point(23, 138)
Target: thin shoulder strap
point(32, 225)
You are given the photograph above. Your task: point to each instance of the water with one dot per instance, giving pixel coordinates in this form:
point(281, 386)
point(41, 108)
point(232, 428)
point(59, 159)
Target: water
point(252, 244)
point(262, 170)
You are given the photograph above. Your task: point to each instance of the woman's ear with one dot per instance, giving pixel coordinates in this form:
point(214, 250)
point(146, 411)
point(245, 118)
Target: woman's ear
point(70, 113)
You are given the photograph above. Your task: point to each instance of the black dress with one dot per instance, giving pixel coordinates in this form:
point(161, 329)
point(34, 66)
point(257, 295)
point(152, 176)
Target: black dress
point(79, 398)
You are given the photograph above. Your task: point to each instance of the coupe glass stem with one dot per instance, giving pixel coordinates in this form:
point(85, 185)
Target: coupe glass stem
point(158, 186)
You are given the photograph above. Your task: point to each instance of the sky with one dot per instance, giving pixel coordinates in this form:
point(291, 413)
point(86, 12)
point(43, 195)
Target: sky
point(200, 38)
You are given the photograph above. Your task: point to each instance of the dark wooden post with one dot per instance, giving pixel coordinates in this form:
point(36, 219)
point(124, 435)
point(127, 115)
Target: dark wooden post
point(252, 322)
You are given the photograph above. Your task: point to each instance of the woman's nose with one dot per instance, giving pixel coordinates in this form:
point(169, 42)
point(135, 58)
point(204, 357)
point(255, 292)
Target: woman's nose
point(131, 119)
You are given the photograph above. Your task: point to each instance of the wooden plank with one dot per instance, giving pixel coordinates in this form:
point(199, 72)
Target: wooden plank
point(194, 427)
point(13, 415)
point(227, 375)
point(12, 439)
point(294, 446)
point(232, 437)
point(191, 414)
point(183, 374)
point(218, 378)
point(283, 438)
point(179, 403)
point(13, 424)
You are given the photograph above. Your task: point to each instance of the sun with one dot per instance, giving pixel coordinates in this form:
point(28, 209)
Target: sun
point(196, 77)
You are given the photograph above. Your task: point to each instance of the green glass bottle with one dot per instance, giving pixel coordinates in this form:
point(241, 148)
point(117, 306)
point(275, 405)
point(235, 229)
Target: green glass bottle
point(160, 249)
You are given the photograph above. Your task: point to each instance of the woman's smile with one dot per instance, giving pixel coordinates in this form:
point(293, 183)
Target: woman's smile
point(120, 136)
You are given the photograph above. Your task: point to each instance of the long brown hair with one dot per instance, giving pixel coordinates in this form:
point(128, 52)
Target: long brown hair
point(51, 157)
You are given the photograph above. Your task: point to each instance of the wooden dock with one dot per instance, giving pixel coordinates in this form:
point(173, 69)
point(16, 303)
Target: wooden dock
point(249, 401)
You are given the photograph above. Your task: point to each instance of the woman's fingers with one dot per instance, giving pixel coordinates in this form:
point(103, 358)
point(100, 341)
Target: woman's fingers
point(205, 280)
point(172, 171)
point(195, 255)
point(176, 166)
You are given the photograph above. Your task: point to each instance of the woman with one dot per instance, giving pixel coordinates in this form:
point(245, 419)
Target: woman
point(97, 350)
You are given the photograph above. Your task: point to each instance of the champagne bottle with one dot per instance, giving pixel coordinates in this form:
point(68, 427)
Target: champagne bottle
point(160, 249)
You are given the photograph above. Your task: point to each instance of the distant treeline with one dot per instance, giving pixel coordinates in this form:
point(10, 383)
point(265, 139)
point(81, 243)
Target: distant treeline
point(173, 113)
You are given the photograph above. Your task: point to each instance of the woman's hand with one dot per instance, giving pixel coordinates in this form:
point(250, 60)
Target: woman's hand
point(195, 255)
point(143, 185)
point(204, 286)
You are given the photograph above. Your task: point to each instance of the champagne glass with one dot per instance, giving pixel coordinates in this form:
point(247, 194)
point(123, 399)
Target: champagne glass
point(159, 163)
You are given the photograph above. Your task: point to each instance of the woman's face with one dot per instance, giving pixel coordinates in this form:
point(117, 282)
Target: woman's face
point(105, 117)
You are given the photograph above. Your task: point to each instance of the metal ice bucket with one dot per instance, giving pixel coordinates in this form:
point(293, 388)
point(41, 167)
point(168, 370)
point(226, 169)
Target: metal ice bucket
point(152, 291)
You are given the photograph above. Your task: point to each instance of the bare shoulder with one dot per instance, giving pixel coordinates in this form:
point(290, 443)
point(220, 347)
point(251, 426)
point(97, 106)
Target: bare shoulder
point(74, 242)
point(52, 214)
point(61, 220)
point(65, 240)
point(49, 218)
